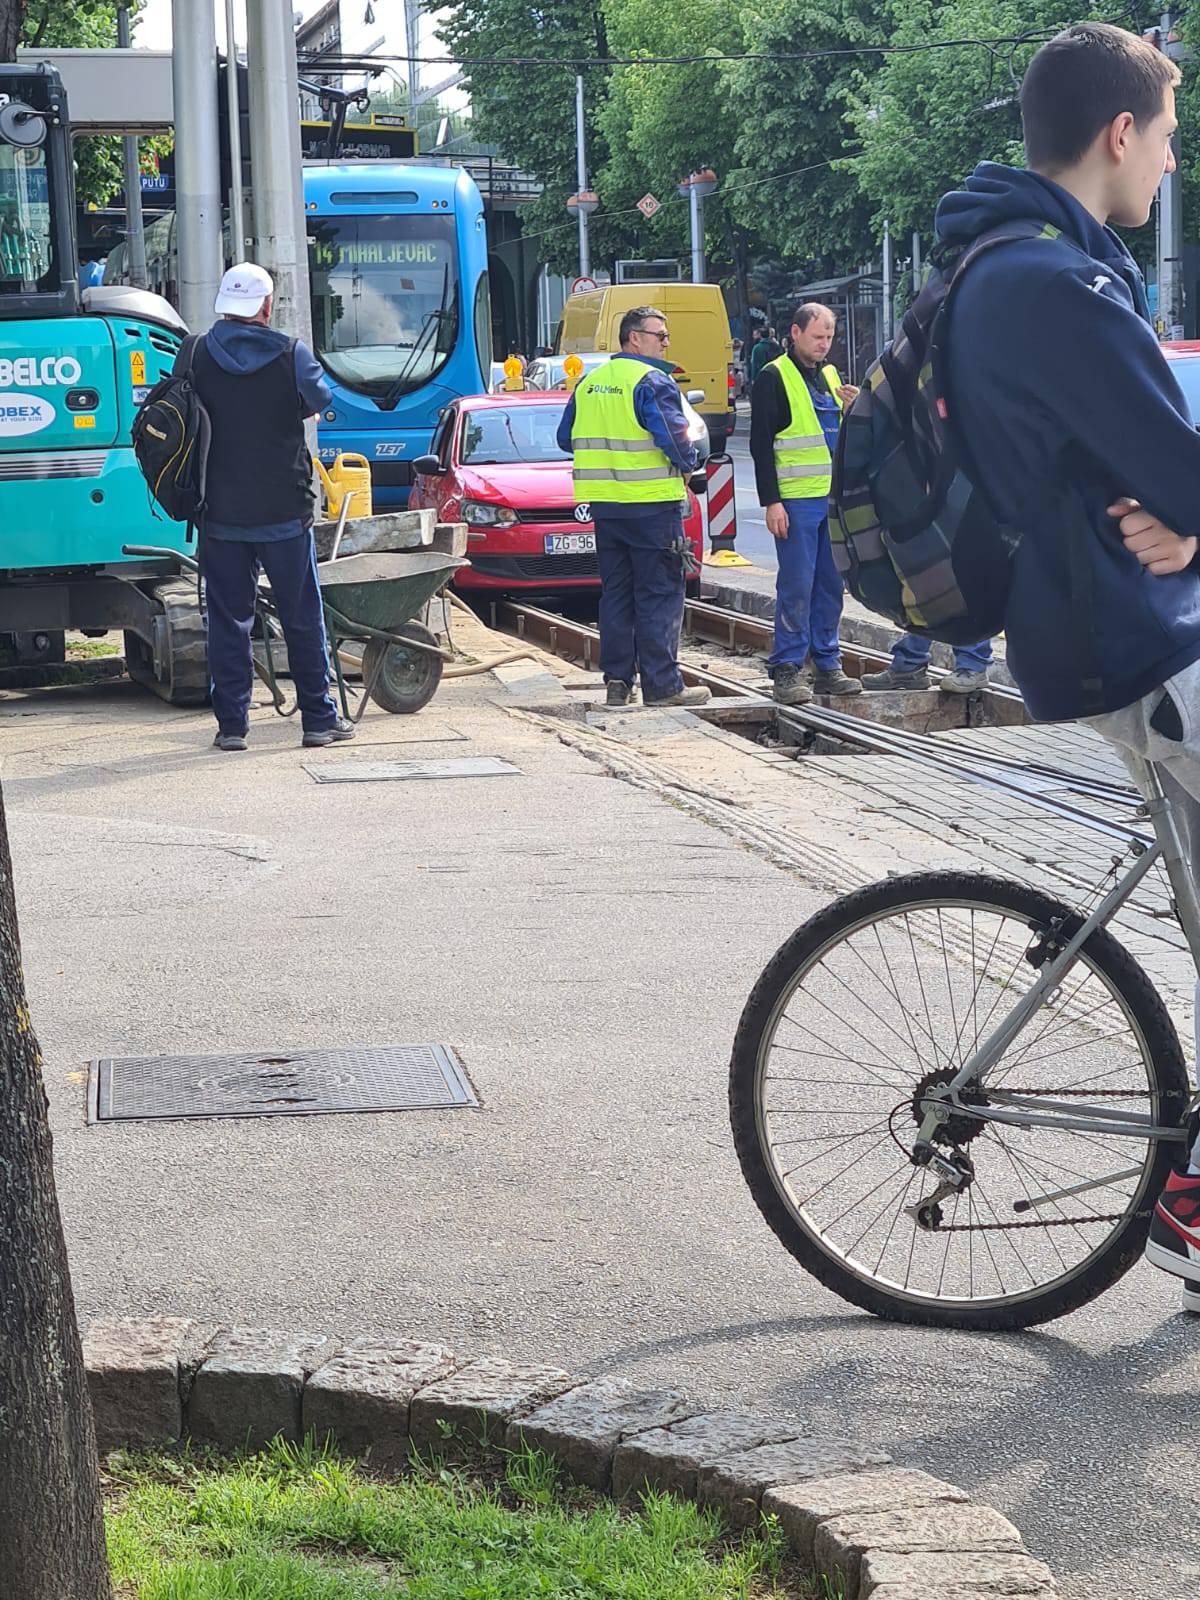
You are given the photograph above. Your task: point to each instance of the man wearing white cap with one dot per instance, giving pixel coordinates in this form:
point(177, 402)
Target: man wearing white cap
point(258, 387)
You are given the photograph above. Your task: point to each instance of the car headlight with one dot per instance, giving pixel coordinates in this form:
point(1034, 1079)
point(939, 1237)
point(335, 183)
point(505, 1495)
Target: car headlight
point(482, 515)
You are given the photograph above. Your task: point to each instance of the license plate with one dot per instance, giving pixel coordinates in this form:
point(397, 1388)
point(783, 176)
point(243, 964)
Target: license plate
point(570, 544)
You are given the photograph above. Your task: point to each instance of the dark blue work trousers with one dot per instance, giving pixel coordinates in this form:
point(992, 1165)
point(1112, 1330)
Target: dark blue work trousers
point(641, 597)
point(231, 568)
point(808, 590)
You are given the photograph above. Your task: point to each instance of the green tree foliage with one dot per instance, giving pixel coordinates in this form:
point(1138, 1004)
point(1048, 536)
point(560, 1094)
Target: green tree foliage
point(791, 116)
point(528, 112)
point(661, 123)
point(924, 120)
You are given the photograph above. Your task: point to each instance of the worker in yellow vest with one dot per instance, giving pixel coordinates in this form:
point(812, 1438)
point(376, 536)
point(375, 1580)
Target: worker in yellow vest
point(796, 411)
point(625, 427)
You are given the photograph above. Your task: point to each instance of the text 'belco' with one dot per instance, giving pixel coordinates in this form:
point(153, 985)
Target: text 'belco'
point(28, 370)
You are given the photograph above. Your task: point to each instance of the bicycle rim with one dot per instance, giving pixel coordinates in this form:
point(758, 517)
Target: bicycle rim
point(897, 997)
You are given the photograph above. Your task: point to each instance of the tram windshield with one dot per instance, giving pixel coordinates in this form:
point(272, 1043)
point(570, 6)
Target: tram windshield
point(384, 299)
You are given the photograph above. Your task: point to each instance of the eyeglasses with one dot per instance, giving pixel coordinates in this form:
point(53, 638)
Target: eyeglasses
point(654, 333)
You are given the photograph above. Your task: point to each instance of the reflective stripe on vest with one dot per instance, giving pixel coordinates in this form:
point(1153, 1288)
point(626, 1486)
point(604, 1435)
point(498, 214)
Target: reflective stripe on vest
point(615, 458)
point(803, 463)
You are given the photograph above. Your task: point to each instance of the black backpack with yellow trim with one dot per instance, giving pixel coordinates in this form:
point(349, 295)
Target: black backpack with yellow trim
point(172, 434)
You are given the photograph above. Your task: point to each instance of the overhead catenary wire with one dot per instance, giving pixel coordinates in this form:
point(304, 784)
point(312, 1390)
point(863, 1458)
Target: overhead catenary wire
point(582, 63)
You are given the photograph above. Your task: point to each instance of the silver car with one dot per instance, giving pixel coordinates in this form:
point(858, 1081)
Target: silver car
point(547, 372)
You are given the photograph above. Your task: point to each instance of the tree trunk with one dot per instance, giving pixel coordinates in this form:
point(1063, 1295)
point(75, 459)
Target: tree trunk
point(51, 1532)
point(741, 285)
point(12, 15)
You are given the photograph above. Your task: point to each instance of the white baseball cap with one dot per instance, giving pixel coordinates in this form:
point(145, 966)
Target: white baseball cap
point(244, 290)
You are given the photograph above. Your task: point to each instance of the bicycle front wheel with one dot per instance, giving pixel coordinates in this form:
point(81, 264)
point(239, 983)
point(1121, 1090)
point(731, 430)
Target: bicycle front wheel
point(883, 996)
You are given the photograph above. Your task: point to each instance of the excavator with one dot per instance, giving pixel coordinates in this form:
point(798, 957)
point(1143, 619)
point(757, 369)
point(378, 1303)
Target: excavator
point(74, 366)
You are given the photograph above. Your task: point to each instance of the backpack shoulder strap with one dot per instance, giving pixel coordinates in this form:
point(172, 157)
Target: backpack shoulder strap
point(1005, 233)
point(188, 351)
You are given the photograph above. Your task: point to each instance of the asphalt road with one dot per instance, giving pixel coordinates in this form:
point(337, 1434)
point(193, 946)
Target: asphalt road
point(587, 947)
point(753, 540)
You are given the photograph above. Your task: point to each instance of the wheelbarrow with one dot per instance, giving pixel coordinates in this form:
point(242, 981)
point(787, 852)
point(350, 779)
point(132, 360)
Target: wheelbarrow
point(373, 600)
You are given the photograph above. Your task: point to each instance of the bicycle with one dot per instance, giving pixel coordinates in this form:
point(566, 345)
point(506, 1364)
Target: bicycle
point(956, 1098)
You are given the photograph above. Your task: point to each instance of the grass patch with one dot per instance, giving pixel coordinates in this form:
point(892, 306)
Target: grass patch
point(87, 649)
point(301, 1523)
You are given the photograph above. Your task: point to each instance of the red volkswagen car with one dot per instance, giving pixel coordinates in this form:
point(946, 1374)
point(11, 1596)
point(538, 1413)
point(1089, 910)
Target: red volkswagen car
point(495, 465)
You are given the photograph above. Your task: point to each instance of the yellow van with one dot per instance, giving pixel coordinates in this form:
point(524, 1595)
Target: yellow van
point(701, 346)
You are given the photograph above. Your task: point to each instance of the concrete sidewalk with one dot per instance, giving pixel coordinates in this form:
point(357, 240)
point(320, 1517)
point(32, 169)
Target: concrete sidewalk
point(587, 946)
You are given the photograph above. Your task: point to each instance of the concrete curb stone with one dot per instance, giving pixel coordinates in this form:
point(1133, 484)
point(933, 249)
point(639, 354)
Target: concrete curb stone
point(583, 1428)
point(250, 1385)
point(139, 1373)
point(363, 1395)
point(977, 1573)
point(668, 1459)
point(803, 1507)
point(482, 1399)
point(735, 1485)
point(842, 1542)
point(876, 1531)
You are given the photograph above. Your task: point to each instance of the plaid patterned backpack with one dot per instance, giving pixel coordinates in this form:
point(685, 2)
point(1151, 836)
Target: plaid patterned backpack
point(912, 536)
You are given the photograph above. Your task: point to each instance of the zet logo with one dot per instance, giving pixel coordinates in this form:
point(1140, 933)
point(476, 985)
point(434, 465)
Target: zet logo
point(23, 413)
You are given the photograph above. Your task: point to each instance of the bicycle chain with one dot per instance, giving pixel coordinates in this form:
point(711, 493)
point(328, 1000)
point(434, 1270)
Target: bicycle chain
point(1048, 1222)
point(1059, 1222)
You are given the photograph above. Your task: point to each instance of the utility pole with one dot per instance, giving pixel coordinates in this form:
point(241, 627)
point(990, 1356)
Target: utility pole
point(887, 282)
point(135, 229)
point(1170, 221)
point(233, 108)
point(197, 159)
point(412, 10)
point(278, 184)
point(584, 202)
point(695, 189)
point(916, 262)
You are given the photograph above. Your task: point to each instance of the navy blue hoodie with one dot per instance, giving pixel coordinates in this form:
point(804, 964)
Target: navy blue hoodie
point(1064, 401)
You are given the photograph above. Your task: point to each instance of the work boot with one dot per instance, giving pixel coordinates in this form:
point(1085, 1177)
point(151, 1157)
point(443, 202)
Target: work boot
point(229, 741)
point(962, 682)
point(788, 688)
point(835, 682)
point(618, 693)
point(318, 737)
point(696, 696)
point(889, 678)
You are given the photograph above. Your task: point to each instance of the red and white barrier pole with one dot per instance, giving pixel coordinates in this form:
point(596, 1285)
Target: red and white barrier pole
point(722, 508)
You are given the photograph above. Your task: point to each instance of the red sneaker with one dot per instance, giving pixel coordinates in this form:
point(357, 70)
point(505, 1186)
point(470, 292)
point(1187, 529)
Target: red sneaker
point(1174, 1242)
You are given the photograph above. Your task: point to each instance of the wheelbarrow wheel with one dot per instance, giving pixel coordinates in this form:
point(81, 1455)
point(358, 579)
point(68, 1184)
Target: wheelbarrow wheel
point(407, 679)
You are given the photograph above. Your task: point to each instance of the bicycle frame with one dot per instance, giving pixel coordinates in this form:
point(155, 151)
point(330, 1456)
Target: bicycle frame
point(1043, 1113)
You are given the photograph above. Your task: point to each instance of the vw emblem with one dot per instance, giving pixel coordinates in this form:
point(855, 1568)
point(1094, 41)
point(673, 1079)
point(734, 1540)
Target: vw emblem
point(583, 513)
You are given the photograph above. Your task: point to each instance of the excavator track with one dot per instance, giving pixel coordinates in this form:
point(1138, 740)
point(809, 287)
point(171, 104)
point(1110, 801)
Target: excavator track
point(177, 668)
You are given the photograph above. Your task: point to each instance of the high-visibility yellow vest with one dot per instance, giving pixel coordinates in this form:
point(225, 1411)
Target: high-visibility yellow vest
point(802, 459)
point(616, 460)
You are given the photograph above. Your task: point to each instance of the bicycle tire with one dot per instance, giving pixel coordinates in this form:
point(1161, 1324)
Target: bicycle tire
point(1162, 1057)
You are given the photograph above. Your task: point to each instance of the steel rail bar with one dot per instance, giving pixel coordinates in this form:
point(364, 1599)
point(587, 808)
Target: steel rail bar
point(564, 636)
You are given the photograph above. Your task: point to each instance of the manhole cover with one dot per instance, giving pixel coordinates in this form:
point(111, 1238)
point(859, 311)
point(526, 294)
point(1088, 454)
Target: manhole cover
point(410, 1077)
point(392, 771)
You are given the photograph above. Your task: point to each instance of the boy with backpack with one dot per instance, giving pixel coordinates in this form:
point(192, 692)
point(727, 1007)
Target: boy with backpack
point(1062, 403)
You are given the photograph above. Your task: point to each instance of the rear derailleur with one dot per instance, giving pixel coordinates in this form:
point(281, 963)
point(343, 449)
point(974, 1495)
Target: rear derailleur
point(955, 1173)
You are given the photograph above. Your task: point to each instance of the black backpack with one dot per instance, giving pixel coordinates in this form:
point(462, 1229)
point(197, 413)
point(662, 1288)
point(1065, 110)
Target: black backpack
point(912, 536)
point(171, 438)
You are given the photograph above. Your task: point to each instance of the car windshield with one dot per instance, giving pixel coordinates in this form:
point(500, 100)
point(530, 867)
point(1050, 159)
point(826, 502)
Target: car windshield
point(384, 299)
point(495, 436)
point(26, 234)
